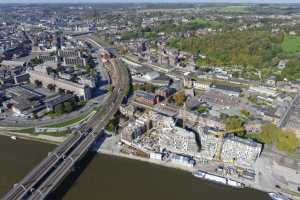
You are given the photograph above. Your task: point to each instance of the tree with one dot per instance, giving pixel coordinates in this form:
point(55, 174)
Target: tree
point(38, 83)
point(36, 61)
point(92, 72)
point(130, 90)
point(110, 88)
point(268, 133)
point(53, 53)
point(61, 91)
point(35, 116)
point(179, 98)
point(246, 113)
point(171, 81)
point(292, 70)
point(81, 103)
point(234, 123)
point(287, 141)
point(201, 109)
point(88, 69)
point(59, 109)
point(68, 107)
point(129, 35)
point(248, 48)
point(51, 87)
point(148, 87)
point(113, 123)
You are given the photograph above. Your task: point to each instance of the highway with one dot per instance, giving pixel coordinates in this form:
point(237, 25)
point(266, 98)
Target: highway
point(47, 175)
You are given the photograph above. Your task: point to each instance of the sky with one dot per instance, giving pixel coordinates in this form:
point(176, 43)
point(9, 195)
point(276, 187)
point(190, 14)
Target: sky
point(149, 1)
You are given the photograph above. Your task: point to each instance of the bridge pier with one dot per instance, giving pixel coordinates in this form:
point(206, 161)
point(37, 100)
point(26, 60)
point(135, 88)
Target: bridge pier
point(72, 160)
point(41, 194)
point(22, 186)
point(51, 153)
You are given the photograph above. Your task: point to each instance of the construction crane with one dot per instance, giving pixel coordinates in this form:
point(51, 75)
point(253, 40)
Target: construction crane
point(218, 134)
point(224, 133)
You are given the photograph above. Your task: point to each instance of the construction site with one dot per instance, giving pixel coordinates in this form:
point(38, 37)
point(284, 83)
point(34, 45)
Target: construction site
point(153, 132)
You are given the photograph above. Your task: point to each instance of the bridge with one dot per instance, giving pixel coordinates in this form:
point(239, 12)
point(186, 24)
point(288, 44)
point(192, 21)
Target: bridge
point(47, 175)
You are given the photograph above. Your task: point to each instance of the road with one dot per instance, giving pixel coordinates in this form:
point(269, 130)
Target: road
point(19, 122)
point(283, 120)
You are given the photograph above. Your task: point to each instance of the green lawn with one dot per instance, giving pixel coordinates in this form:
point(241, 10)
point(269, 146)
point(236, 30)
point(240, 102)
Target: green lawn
point(69, 122)
point(291, 44)
point(27, 130)
point(55, 134)
point(31, 131)
point(227, 83)
point(200, 21)
point(229, 9)
point(235, 9)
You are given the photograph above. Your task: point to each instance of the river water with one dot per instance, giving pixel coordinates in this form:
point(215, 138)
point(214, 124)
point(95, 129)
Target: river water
point(112, 178)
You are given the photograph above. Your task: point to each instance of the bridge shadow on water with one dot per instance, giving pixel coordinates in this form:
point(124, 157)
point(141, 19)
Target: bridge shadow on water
point(79, 167)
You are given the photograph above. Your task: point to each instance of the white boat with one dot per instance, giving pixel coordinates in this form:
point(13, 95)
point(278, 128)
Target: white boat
point(218, 179)
point(199, 174)
point(277, 196)
point(215, 178)
point(235, 183)
point(13, 137)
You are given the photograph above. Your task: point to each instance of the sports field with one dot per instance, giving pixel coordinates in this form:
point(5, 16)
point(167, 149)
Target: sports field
point(291, 44)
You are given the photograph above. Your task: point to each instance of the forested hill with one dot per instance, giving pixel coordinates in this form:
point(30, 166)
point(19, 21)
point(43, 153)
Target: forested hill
point(257, 49)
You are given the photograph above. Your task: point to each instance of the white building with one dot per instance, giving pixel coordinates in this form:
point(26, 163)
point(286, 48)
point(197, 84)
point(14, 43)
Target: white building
point(40, 74)
point(151, 76)
point(132, 131)
point(178, 140)
point(239, 151)
point(201, 85)
point(210, 144)
point(182, 160)
point(263, 90)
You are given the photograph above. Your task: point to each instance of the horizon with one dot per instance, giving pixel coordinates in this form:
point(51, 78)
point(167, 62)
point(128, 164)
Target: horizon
point(149, 1)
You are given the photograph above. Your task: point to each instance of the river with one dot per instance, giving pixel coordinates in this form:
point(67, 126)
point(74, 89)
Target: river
point(113, 178)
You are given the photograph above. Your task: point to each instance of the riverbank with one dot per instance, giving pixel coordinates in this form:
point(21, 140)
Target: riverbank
point(186, 169)
point(112, 177)
point(38, 138)
point(157, 162)
point(110, 146)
